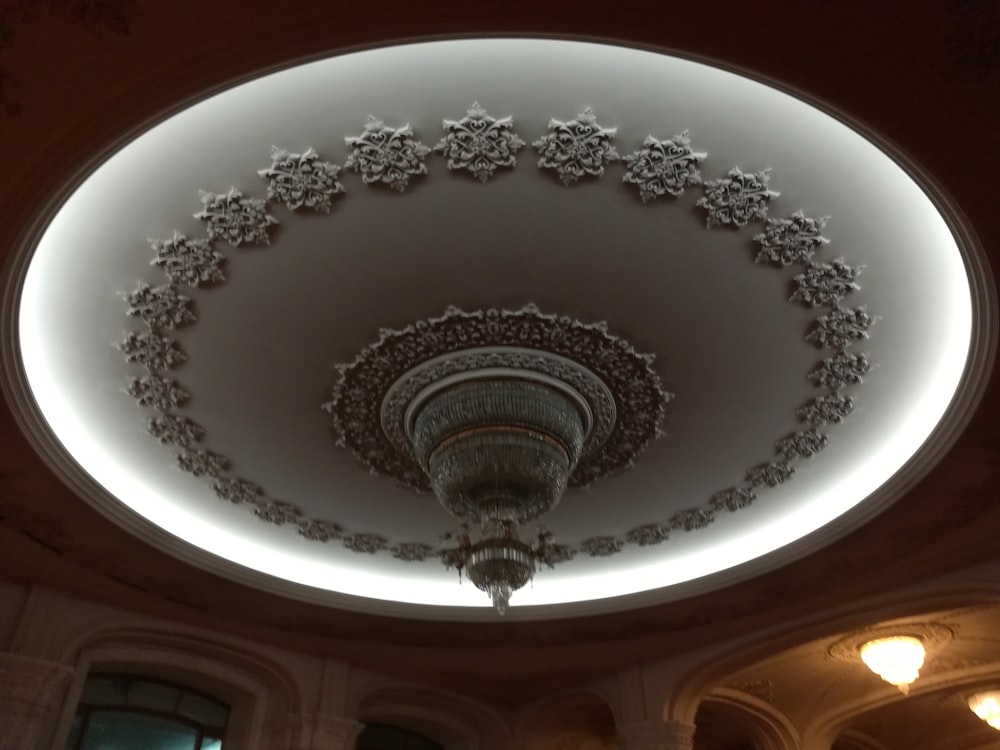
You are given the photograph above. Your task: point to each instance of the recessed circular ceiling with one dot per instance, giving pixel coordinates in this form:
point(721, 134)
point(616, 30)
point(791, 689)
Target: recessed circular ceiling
point(804, 300)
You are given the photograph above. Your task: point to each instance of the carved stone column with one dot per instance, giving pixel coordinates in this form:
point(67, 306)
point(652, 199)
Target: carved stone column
point(31, 695)
point(655, 734)
point(324, 732)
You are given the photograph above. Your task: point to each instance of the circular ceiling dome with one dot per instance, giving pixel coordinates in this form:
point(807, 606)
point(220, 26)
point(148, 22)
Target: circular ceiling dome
point(807, 301)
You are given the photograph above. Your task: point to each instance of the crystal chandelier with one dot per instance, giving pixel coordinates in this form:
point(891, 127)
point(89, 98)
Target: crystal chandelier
point(897, 659)
point(497, 412)
point(986, 705)
point(498, 451)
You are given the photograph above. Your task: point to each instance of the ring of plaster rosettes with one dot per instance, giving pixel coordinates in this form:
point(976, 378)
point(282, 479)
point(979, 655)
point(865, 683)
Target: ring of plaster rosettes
point(481, 145)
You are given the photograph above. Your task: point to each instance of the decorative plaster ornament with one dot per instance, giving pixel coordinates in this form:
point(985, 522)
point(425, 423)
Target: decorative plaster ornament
point(841, 328)
point(480, 143)
point(366, 544)
point(202, 463)
point(151, 350)
point(601, 546)
point(171, 429)
point(691, 519)
point(840, 370)
point(622, 392)
point(320, 531)
point(276, 512)
point(232, 218)
point(647, 534)
point(663, 167)
point(832, 408)
point(299, 180)
point(801, 444)
point(737, 199)
point(191, 262)
point(826, 284)
point(770, 474)
point(386, 154)
point(160, 307)
point(577, 148)
point(412, 551)
point(732, 499)
point(157, 393)
point(788, 241)
point(238, 491)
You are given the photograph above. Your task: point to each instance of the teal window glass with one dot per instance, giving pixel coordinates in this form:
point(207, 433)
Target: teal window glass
point(123, 712)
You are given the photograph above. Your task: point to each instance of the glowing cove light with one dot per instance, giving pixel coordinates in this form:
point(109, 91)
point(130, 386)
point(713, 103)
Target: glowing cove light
point(897, 660)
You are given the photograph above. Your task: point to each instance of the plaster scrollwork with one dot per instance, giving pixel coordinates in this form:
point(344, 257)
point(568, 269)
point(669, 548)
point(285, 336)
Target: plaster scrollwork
point(202, 463)
point(192, 262)
point(826, 284)
point(366, 544)
point(386, 154)
point(319, 530)
point(277, 512)
point(171, 429)
point(238, 491)
point(770, 474)
point(733, 499)
point(738, 198)
point(160, 306)
point(577, 148)
point(412, 551)
point(234, 218)
point(663, 167)
point(480, 143)
point(831, 408)
point(299, 180)
point(372, 392)
point(692, 518)
point(803, 444)
point(601, 546)
point(158, 393)
point(840, 370)
point(647, 534)
point(841, 328)
point(151, 350)
point(787, 241)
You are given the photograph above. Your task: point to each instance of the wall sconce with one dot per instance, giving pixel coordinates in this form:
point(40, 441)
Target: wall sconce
point(896, 659)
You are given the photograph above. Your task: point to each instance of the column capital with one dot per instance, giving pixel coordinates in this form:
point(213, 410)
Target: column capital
point(656, 734)
point(325, 732)
point(31, 693)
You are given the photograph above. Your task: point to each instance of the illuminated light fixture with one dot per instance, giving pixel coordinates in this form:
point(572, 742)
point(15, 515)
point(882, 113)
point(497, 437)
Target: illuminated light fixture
point(986, 705)
point(897, 659)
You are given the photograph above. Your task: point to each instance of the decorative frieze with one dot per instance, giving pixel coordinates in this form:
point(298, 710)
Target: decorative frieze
point(787, 241)
point(192, 262)
point(770, 474)
point(151, 350)
point(826, 284)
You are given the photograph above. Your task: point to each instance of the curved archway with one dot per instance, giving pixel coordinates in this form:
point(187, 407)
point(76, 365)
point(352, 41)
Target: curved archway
point(261, 695)
point(570, 721)
point(452, 721)
point(728, 717)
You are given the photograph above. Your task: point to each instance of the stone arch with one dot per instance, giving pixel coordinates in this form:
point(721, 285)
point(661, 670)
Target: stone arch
point(453, 721)
point(261, 694)
point(710, 671)
point(577, 720)
point(762, 723)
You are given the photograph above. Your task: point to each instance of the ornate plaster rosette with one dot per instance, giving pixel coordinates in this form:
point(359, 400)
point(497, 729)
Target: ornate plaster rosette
point(624, 393)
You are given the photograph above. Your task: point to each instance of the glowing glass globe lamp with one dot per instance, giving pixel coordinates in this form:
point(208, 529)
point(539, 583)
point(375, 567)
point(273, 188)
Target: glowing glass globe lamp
point(897, 660)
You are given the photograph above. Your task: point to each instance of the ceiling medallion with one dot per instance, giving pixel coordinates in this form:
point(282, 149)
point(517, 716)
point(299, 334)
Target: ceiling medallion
point(497, 412)
point(565, 402)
